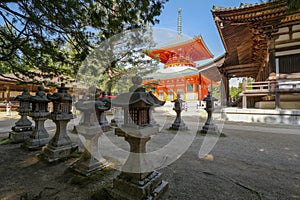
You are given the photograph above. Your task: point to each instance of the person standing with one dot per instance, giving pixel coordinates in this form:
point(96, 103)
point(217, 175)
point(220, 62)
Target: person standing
point(8, 107)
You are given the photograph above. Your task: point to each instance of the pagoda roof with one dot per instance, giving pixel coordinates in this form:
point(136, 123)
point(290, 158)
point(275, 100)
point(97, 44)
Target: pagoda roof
point(190, 49)
point(172, 72)
point(176, 72)
point(245, 32)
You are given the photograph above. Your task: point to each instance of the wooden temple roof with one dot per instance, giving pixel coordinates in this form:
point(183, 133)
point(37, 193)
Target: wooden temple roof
point(181, 50)
point(15, 83)
point(10, 81)
point(245, 32)
point(210, 69)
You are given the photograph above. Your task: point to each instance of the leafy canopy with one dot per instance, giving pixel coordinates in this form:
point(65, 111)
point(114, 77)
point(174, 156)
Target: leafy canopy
point(40, 39)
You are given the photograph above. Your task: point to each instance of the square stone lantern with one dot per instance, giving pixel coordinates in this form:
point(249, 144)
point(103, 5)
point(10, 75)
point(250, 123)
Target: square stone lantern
point(23, 127)
point(60, 145)
point(39, 113)
point(137, 180)
point(91, 160)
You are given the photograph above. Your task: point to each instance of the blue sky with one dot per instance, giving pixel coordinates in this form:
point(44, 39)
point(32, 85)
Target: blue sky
point(197, 19)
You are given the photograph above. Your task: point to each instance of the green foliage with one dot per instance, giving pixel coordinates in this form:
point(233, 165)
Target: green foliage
point(216, 91)
point(5, 141)
point(116, 60)
point(42, 40)
point(235, 91)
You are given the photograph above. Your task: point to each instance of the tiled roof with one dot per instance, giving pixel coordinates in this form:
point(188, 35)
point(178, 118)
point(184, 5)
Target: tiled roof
point(167, 73)
point(242, 6)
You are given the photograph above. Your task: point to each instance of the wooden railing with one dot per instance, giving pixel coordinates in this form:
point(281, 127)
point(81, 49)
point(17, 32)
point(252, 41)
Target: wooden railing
point(272, 87)
point(257, 87)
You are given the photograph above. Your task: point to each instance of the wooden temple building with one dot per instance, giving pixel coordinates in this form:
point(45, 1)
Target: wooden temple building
point(262, 41)
point(179, 74)
point(11, 87)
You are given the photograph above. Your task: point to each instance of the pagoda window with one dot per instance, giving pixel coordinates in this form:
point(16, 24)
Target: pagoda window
point(190, 87)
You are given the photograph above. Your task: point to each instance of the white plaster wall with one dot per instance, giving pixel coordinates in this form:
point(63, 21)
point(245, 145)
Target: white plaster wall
point(290, 117)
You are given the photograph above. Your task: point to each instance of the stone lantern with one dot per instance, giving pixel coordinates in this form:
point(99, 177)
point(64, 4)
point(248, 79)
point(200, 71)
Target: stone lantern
point(137, 180)
point(23, 127)
point(39, 113)
point(90, 129)
point(60, 145)
point(118, 119)
point(103, 104)
point(209, 126)
point(178, 124)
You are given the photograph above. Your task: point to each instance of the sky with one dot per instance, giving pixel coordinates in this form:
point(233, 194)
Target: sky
point(197, 19)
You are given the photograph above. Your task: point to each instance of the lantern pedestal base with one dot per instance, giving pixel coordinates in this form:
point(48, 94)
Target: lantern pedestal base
point(18, 137)
point(137, 180)
point(87, 163)
point(34, 144)
point(179, 126)
point(210, 128)
point(39, 136)
point(60, 146)
point(51, 153)
point(151, 187)
point(88, 166)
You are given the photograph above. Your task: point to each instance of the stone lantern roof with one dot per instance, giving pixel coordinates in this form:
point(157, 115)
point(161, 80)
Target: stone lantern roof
point(40, 95)
point(136, 95)
point(61, 95)
point(25, 96)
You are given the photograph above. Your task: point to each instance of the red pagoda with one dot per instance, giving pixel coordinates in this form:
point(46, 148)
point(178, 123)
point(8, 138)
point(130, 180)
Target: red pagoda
point(179, 75)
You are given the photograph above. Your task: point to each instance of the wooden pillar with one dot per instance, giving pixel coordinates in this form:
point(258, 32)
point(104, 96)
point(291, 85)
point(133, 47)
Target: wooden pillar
point(244, 101)
point(224, 91)
point(200, 89)
point(277, 101)
point(8, 92)
point(277, 94)
point(272, 65)
point(244, 86)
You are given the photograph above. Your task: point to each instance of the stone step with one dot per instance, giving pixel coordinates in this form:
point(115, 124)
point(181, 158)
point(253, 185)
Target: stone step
point(283, 104)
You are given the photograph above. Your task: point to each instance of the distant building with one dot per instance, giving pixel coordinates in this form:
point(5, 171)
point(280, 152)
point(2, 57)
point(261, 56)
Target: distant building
point(179, 75)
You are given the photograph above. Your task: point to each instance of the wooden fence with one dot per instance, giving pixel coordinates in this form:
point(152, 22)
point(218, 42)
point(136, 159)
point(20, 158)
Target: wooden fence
point(272, 87)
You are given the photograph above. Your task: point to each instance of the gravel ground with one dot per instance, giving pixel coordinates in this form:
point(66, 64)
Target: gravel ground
point(253, 161)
